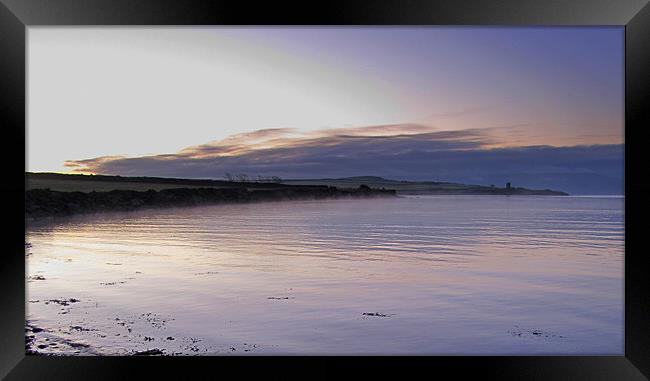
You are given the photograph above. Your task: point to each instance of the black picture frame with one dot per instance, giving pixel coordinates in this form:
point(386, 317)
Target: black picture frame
point(17, 15)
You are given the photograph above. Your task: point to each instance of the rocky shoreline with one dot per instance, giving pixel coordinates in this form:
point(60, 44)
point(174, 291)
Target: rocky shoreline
point(47, 203)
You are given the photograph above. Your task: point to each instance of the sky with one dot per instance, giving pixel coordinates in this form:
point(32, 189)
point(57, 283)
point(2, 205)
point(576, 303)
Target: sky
point(541, 107)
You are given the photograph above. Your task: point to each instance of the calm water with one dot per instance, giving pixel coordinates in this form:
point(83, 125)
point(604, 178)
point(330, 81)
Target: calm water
point(411, 275)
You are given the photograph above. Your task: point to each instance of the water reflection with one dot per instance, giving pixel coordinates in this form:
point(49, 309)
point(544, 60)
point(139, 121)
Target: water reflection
point(430, 275)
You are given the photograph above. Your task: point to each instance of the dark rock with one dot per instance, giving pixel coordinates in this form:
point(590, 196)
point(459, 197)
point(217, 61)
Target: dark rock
point(62, 302)
point(150, 352)
point(377, 314)
point(81, 329)
point(78, 345)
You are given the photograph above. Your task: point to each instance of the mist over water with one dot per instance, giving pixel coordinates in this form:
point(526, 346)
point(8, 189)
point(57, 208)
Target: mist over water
point(410, 275)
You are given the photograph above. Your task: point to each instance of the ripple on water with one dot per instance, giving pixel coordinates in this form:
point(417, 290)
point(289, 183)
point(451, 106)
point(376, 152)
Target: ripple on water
point(428, 275)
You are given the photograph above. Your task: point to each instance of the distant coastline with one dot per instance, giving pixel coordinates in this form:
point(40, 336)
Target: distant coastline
point(52, 194)
point(79, 198)
point(427, 187)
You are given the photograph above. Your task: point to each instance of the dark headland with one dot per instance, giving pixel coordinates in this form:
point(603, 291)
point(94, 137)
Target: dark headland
point(52, 194)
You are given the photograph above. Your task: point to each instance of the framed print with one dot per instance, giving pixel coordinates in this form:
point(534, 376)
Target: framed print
point(365, 185)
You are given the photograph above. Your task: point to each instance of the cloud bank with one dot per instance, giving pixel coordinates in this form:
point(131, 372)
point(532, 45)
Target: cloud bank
point(404, 152)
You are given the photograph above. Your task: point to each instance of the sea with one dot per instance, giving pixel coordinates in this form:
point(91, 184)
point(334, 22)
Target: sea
point(410, 275)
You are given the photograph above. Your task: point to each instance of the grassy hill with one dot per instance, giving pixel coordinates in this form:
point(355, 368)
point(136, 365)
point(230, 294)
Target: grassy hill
point(420, 187)
point(101, 183)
